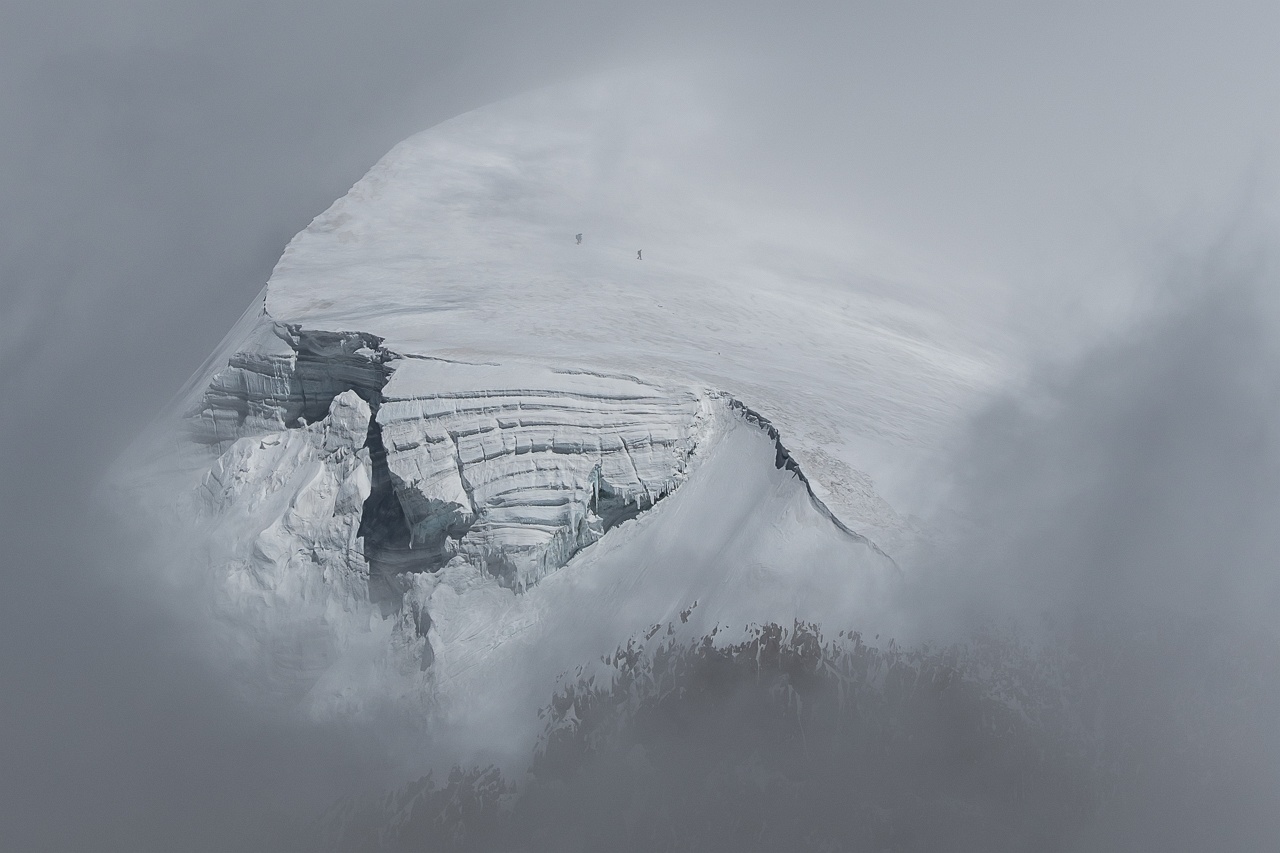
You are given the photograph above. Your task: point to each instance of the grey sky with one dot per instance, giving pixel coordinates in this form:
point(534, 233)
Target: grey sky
point(156, 156)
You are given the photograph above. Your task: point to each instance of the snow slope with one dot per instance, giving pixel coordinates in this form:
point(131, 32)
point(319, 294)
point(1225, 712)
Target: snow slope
point(455, 452)
point(460, 243)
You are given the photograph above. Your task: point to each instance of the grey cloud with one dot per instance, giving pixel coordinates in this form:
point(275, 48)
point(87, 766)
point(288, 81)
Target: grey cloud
point(1140, 475)
point(155, 158)
point(1121, 513)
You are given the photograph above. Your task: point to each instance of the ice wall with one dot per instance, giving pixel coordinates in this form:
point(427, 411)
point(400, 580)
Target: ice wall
point(518, 469)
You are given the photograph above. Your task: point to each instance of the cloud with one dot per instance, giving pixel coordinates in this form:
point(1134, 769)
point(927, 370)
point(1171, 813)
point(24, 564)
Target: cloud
point(1118, 511)
point(162, 154)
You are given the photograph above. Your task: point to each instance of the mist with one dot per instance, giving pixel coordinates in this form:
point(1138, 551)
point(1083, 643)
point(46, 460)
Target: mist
point(1114, 518)
point(1108, 170)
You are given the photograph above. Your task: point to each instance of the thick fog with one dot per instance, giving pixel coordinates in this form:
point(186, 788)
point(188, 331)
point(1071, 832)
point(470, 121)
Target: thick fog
point(1119, 512)
point(1108, 170)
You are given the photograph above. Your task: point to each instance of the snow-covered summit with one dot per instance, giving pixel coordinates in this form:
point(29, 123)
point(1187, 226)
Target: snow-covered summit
point(460, 242)
point(455, 450)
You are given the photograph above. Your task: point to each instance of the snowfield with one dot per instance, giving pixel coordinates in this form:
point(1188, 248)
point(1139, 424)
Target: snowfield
point(454, 453)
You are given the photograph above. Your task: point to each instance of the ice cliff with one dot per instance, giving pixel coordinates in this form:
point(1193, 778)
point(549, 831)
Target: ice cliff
point(519, 476)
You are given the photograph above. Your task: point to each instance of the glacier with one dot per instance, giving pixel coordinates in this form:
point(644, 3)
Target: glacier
point(452, 452)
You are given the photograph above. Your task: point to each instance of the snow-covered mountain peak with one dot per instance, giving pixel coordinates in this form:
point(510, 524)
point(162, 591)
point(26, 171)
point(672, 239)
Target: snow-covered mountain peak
point(462, 243)
point(538, 382)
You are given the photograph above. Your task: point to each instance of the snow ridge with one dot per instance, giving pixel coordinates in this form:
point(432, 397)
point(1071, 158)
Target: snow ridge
point(785, 461)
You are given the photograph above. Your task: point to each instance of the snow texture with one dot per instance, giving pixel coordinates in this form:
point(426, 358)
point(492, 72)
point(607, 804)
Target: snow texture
point(519, 479)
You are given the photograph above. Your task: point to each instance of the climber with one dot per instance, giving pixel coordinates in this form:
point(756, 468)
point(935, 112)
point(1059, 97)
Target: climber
point(578, 237)
point(638, 251)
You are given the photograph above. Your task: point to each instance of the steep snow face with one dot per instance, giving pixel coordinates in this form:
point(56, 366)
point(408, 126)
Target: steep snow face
point(456, 451)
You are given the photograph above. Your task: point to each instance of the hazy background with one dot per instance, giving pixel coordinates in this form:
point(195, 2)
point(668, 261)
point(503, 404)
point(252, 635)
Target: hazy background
point(1113, 164)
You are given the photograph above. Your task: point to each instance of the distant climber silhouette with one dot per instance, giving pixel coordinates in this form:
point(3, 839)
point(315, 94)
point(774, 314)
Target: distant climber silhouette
point(578, 237)
point(638, 251)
